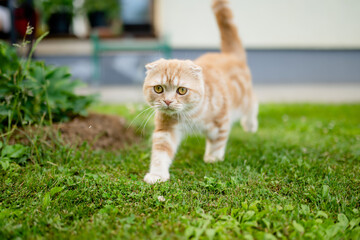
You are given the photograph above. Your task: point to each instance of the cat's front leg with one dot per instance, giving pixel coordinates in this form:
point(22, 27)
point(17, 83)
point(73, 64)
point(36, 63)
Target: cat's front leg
point(164, 146)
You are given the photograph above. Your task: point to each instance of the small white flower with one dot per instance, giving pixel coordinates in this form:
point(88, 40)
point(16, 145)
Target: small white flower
point(161, 198)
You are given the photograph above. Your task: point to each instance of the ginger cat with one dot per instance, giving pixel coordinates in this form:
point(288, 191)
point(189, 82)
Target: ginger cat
point(209, 94)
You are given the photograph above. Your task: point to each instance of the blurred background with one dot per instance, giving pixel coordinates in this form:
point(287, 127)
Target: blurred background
point(300, 50)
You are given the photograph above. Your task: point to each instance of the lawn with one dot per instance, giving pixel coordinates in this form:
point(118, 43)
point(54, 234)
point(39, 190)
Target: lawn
point(298, 177)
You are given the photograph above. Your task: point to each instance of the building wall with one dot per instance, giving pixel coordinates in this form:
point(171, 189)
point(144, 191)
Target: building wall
point(288, 41)
point(264, 24)
point(267, 66)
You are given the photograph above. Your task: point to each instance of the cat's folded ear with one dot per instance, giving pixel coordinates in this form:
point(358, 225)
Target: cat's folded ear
point(151, 66)
point(196, 70)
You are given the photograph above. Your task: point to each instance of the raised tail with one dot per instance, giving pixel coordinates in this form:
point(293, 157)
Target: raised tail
point(230, 40)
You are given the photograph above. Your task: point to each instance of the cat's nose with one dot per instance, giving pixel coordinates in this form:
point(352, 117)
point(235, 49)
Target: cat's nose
point(168, 102)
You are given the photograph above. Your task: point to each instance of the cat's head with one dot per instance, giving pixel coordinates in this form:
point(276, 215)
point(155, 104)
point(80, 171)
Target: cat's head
point(173, 86)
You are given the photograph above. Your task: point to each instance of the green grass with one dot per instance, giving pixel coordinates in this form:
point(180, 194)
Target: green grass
point(298, 177)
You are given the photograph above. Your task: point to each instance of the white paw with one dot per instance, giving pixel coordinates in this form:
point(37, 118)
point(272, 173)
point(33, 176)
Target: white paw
point(151, 178)
point(212, 159)
point(250, 125)
point(252, 129)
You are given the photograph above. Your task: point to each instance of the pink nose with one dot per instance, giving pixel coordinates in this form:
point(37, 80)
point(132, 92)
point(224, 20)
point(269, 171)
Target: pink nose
point(168, 102)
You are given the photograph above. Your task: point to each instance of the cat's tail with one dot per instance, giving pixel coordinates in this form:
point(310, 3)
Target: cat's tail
point(230, 41)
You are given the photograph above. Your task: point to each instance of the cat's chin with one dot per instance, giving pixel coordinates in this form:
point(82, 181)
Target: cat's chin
point(168, 111)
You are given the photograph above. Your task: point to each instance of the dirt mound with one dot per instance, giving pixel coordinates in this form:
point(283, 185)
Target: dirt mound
point(99, 130)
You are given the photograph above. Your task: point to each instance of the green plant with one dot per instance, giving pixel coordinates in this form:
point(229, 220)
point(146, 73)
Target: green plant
point(31, 91)
point(13, 153)
point(49, 7)
point(110, 7)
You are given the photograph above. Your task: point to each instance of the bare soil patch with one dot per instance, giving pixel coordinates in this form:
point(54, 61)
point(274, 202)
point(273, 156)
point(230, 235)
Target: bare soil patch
point(101, 131)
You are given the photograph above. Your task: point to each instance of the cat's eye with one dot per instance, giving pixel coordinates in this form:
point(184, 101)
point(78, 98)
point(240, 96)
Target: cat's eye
point(181, 90)
point(158, 89)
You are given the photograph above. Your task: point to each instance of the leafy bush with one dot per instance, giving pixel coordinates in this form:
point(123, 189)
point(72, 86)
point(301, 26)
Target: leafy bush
point(32, 92)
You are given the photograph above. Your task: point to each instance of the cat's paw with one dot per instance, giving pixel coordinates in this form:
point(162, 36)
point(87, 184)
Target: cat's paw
point(250, 125)
point(151, 178)
point(212, 159)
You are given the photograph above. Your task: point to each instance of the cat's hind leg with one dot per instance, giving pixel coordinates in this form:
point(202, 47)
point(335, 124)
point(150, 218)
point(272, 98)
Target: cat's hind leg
point(249, 121)
point(216, 143)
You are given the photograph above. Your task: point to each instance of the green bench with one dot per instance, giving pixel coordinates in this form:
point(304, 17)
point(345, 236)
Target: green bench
point(127, 45)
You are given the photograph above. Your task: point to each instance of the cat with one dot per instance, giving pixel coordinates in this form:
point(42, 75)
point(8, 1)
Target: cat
point(209, 94)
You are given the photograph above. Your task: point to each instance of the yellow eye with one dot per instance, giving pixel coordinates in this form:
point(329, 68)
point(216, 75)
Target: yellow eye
point(181, 90)
point(158, 89)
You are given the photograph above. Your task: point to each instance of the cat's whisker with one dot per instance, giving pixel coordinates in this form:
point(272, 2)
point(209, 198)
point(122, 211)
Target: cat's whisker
point(188, 123)
point(179, 116)
point(148, 115)
point(197, 130)
point(147, 109)
point(151, 115)
point(195, 125)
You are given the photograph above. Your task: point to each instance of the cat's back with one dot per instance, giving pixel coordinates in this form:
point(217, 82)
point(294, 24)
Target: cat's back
point(220, 60)
point(227, 76)
point(223, 65)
